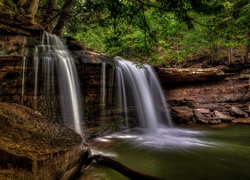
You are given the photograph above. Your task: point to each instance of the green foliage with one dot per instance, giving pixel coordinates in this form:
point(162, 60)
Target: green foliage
point(244, 17)
point(161, 32)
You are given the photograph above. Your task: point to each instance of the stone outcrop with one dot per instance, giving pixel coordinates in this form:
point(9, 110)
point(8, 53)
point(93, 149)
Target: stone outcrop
point(223, 117)
point(188, 75)
point(33, 147)
point(235, 111)
point(223, 92)
point(205, 118)
point(182, 114)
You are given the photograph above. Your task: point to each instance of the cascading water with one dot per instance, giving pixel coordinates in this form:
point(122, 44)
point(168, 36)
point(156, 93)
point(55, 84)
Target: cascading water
point(122, 94)
point(56, 59)
point(143, 84)
point(103, 89)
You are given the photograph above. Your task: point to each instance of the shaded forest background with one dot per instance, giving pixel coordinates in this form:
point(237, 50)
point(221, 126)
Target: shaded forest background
point(160, 32)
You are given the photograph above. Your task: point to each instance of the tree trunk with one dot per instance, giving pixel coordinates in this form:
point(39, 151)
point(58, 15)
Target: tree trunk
point(230, 55)
point(126, 171)
point(63, 17)
point(49, 15)
point(33, 7)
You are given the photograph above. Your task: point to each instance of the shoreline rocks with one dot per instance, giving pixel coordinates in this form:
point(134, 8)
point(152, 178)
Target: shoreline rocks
point(187, 115)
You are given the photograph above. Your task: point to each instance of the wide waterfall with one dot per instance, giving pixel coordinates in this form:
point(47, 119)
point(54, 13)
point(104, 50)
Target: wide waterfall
point(143, 85)
point(54, 58)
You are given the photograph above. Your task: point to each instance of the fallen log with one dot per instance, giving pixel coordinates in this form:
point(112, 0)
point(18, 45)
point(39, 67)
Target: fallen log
point(121, 168)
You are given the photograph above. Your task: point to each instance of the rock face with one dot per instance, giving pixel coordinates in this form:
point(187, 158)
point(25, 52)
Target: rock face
point(18, 50)
point(222, 92)
point(179, 75)
point(33, 146)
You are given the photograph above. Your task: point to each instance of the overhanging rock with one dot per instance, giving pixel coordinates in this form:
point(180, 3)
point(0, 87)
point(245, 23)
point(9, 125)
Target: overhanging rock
point(38, 148)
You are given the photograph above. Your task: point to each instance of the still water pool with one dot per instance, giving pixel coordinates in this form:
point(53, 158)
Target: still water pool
point(197, 152)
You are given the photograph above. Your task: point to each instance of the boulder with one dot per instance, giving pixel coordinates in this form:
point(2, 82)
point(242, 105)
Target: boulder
point(200, 118)
point(31, 145)
point(237, 112)
point(204, 111)
point(182, 114)
point(223, 117)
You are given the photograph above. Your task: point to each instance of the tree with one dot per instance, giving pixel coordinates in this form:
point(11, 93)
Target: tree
point(243, 21)
point(136, 27)
point(26, 17)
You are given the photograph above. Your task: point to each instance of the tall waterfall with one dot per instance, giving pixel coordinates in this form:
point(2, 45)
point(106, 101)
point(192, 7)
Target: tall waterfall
point(144, 86)
point(54, 58)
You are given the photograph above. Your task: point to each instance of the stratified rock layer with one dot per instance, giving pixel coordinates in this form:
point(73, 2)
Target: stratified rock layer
point(207, 95)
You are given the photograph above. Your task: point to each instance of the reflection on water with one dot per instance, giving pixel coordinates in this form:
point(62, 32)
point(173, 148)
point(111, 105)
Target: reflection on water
point(178, 153)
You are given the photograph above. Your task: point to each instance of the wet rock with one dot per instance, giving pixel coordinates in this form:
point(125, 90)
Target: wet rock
point(204, 111)
point(237, 112)
point(182, 114)
point(223, 117)
point(241, 121)
point(200, 118)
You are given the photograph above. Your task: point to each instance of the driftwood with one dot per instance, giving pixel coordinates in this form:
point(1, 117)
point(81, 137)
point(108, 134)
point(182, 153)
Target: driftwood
point(119, 167)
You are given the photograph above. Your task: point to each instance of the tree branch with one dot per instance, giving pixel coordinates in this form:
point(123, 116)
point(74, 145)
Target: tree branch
point(126, 171)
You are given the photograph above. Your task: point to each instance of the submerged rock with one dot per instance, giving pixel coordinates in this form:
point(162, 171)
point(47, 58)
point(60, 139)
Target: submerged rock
point(38, 148)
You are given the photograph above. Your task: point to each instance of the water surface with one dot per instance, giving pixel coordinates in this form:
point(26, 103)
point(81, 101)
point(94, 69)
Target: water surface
point(198, 152)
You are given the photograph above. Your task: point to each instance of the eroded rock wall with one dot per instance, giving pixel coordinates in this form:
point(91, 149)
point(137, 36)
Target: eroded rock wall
point(198, 95)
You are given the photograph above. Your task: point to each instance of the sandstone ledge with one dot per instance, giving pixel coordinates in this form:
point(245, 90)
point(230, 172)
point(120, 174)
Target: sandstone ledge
point(38, 148)
point(187, 75)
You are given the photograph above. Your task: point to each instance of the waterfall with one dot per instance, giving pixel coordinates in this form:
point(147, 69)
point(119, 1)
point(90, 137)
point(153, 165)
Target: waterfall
point(122, 94)
point(145, 88)
point(54, 58)
point(103, 89)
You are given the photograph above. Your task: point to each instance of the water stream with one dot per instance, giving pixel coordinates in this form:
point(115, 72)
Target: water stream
point(190, 153)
